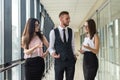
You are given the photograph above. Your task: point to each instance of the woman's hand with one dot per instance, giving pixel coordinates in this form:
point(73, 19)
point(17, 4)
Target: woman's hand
point(45, 42)
point(81, 51)
point(30, 50)
point(39, 45)
point(44, 55)
point(87, 47)
point(95, 50)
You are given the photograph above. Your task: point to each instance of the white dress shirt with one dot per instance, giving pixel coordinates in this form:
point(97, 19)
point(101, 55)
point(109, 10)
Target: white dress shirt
point(52, 39)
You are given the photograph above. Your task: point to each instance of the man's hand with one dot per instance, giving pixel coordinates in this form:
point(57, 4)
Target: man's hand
point(54, 55)
point(75, 57)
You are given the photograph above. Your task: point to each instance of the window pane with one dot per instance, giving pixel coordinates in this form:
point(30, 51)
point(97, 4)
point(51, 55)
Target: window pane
point(115, 10)
point(35, 8)
point(16, 49)
point(117, 48)
point(116, 25)
point(0, 29)
point(27, 9)
point(1, 37)
point(42, 23)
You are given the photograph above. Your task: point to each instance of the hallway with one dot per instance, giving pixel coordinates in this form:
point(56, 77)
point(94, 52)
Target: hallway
point(14, 15)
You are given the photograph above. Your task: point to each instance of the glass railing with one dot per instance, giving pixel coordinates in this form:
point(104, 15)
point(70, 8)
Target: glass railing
point(6, 72)
point(9, 71)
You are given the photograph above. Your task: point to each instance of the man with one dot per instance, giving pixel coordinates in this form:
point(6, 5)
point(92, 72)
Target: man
point(62, 48)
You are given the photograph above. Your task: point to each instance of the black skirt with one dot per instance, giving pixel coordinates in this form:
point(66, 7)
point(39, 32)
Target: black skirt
point(34, 68)
point(90, 65)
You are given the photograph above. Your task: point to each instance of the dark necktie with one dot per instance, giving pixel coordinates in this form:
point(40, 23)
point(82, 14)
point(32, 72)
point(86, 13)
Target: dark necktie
point(64, 36)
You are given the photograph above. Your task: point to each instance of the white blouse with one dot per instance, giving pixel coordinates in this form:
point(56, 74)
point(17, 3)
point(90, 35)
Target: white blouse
point(88, 42)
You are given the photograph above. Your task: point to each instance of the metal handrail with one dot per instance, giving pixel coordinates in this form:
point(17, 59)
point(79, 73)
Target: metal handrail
point(10, 65)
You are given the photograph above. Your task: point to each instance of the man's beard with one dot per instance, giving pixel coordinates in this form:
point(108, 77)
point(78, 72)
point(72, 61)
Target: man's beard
point(66, 25)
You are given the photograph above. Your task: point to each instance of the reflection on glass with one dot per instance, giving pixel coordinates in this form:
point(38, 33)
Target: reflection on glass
point(42, 23)
point(28, 9)
point(16, 49)
point(117, 68)
point(105, 43)
point(111, 43)
point(116, 25)
point(109, 52)
point(35, 8)
point(0, 31)
point(1, 38)
point(115, 10)
point(16, 73)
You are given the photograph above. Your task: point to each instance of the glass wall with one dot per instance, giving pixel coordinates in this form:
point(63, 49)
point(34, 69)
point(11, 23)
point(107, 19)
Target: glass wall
point(109, 57)
point(35, 8)
point(28, 9)
point(115, 10)
point(0, 31)
point(103, 20)
point(109, 35)
point(16, 49)
point(42, 22)
point(16, 45)
point(107, 18)
point(13, 16)
point(1, 37)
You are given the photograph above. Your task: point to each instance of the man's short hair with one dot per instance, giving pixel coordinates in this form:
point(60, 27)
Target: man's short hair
point(63, 13)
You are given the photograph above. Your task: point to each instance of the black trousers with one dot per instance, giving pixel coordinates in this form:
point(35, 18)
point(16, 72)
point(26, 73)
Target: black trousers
point(34, 68)
point(90, 65)
point(64, 66)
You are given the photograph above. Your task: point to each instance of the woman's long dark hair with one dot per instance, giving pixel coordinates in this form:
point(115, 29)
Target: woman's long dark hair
point(92, 27)
point(29, 30)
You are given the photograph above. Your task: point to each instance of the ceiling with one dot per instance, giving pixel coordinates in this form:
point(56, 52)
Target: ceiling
point(78, 10)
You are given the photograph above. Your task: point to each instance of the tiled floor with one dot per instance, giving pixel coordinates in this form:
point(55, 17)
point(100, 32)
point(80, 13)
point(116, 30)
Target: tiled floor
point(78, 71)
